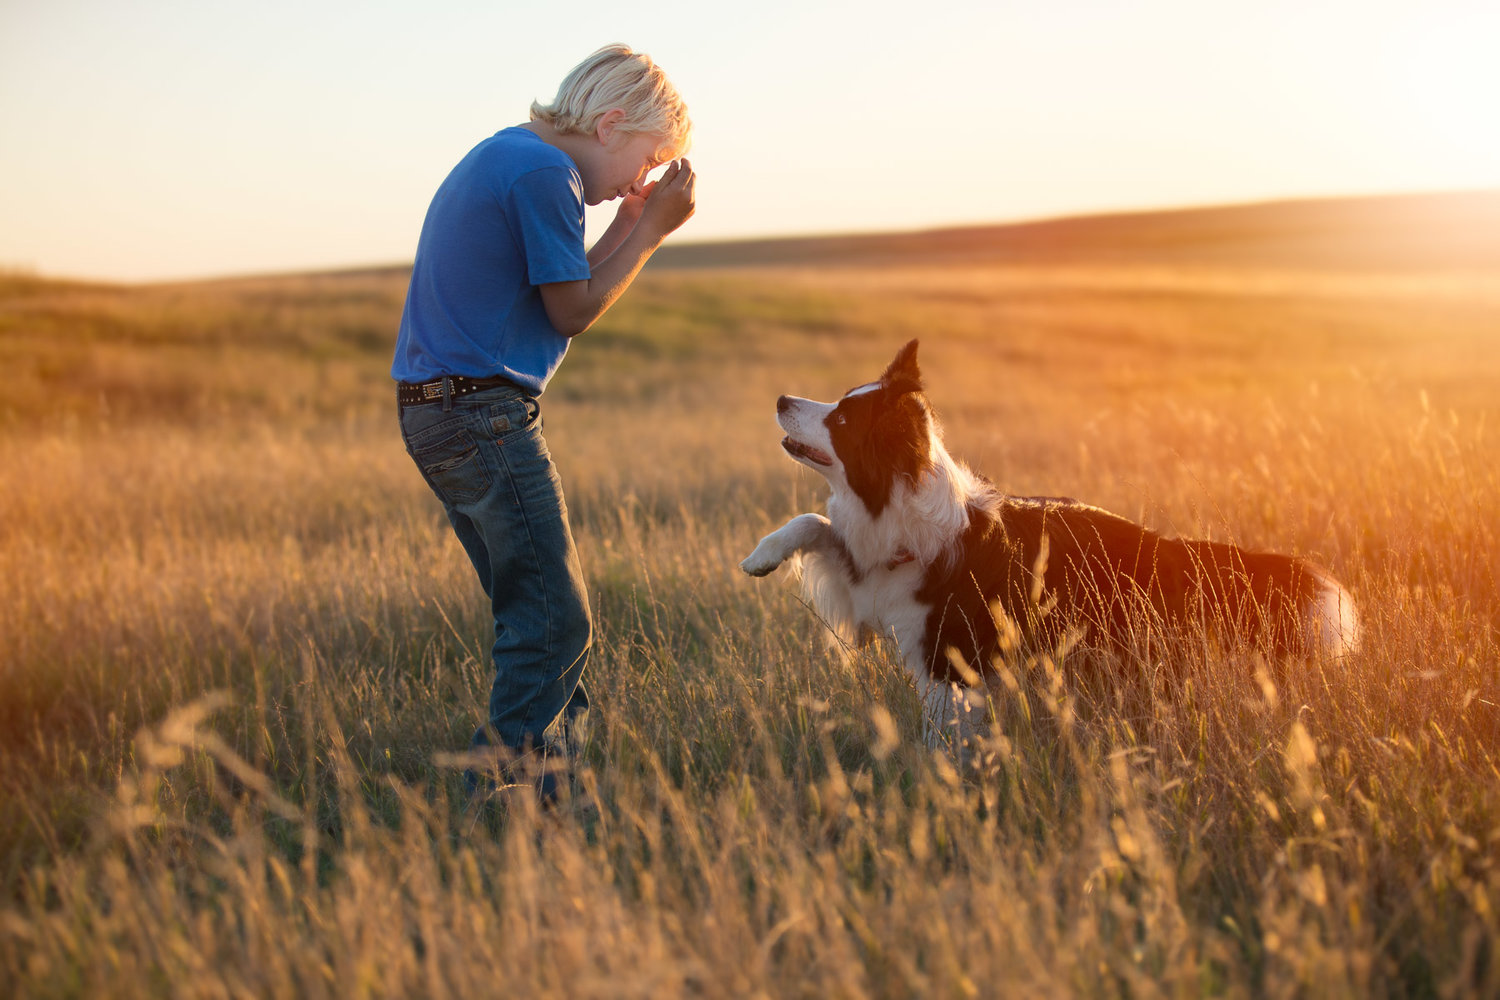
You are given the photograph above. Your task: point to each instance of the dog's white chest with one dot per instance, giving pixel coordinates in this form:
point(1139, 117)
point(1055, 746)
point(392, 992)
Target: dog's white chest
point(885, 602)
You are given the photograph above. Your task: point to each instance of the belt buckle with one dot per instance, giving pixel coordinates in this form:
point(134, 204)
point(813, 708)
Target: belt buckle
point(432, 390)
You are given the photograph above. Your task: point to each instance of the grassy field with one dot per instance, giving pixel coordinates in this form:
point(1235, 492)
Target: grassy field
point(238, 646)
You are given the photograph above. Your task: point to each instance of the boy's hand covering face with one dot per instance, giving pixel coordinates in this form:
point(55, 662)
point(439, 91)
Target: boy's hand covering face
point(668, 201)
point(660, 207)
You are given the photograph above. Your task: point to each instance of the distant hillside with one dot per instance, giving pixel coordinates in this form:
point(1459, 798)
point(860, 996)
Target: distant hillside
point(1434, 231)
point(1451, 231)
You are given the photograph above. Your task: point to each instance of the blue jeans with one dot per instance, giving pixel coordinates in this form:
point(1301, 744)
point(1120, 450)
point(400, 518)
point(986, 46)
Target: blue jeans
point(485, 459)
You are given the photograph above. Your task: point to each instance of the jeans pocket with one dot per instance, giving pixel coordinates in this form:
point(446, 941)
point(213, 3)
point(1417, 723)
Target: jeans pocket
point(517, 414)
point(454, 467)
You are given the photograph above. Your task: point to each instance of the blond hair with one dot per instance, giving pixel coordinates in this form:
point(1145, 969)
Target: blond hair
point(616, 77)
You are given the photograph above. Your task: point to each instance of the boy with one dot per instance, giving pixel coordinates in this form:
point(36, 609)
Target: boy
point(500, 284)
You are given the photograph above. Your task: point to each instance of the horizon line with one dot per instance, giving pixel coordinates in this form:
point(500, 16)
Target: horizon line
point(9, 271)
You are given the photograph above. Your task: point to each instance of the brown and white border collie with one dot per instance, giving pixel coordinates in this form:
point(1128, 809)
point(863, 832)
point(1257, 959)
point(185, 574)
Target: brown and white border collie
point(917, 547)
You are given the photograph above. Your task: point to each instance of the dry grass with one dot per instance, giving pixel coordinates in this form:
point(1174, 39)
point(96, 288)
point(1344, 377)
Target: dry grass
point(237, 639)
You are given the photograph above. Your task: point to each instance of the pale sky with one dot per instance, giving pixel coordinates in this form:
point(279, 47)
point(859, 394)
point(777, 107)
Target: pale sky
point(155, 139)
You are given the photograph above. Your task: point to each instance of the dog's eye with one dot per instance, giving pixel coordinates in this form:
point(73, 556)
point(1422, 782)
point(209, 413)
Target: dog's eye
point(840, 419)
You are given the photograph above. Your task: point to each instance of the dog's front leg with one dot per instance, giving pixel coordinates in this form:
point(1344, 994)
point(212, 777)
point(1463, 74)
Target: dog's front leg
point(953, 717)
point(805, 532)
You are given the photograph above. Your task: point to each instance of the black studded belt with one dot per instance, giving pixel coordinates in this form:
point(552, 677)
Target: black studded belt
point(456, 387)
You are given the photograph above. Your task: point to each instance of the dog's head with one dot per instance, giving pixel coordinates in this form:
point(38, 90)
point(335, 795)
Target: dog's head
point(876, 436)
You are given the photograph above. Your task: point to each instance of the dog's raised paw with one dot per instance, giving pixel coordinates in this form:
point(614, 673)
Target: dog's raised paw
point(761, 562)
point(758, 568)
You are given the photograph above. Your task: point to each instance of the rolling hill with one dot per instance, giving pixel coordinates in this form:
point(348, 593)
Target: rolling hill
point(1452, 231)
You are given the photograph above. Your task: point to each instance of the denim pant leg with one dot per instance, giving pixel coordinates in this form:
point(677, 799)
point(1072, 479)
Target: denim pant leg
point(488, 463)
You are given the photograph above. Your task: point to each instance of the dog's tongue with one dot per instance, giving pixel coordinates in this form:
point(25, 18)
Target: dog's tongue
point(808, 452)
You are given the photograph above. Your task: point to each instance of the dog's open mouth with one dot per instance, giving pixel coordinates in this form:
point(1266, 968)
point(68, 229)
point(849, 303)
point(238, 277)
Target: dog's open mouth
point(799, 450)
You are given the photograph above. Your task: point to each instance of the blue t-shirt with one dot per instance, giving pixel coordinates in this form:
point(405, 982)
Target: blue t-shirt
point(508, 218)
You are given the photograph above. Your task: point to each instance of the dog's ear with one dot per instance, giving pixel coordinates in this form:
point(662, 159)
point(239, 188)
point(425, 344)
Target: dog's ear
point(903, 373)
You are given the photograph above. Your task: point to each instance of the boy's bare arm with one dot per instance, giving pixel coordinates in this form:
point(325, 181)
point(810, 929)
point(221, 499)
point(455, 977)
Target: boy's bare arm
point(624, 221)
point(573, 306)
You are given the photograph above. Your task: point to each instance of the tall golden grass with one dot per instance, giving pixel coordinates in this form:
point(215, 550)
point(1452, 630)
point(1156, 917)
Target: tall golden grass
point(238, 644)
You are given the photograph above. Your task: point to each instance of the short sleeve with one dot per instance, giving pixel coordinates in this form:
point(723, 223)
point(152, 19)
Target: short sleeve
point(546, 206)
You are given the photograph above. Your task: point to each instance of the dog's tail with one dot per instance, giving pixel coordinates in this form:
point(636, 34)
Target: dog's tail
point(1330, 621)
point(1294, 606)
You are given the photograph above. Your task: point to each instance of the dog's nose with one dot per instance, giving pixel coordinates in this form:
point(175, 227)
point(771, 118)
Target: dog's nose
point(783, 404)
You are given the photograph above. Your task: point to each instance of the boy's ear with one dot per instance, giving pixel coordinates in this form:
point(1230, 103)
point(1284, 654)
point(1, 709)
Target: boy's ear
point(609, 124)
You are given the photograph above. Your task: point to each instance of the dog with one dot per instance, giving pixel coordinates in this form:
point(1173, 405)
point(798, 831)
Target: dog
point(917, 547)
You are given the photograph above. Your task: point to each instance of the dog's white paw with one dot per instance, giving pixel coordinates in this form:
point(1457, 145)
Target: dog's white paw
point(766, 557)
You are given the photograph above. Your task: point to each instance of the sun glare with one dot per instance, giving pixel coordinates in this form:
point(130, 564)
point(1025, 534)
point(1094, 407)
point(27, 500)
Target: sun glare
point(1449, 80)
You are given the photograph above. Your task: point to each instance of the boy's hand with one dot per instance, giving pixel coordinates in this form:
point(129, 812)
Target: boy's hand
point(668, 201)
point(572, 306)
point(634, 203)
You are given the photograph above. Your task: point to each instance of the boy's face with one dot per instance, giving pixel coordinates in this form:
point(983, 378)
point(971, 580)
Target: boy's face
point(621, 165)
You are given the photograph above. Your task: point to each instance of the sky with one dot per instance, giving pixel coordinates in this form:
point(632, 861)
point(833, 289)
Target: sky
point(145, 140)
